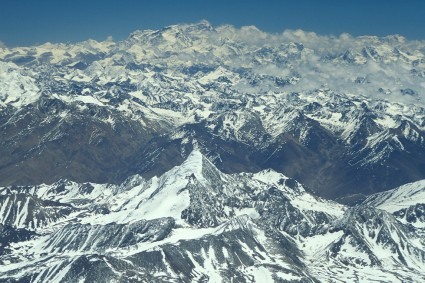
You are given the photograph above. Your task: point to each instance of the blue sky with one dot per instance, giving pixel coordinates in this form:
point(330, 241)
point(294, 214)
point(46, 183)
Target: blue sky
point(26, 22)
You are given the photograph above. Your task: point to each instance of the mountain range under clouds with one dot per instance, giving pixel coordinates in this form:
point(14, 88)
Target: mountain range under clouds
point(203, 153)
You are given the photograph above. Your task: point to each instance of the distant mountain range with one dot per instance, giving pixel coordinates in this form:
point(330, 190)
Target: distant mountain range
point(209, 154)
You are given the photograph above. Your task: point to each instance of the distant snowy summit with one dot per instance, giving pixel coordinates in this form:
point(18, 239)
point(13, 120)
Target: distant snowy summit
point(388, 68)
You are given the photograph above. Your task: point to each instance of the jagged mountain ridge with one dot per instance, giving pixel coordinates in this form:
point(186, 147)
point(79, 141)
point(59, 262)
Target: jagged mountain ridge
point(406, 202)
point(343, 115)
point(195, 223)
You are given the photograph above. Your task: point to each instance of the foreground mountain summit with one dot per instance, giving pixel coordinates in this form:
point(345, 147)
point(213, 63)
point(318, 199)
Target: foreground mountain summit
point(197, 224)
point(343, 115)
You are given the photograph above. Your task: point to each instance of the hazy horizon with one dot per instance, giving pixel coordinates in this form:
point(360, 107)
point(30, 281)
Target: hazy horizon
point(29, 23)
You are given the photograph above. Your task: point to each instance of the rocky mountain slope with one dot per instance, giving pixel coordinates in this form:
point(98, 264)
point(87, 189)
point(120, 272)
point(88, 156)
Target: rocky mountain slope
point(343, 115)
point(406, 202)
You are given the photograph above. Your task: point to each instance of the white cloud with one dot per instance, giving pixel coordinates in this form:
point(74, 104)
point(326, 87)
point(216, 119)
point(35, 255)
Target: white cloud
point(334, 61)
point(321, 62)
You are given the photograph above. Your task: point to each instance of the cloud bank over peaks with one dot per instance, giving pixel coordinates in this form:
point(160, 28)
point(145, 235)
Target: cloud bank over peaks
point(390, 67)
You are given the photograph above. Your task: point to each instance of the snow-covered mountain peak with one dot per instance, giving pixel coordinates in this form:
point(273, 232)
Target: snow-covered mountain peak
point(197, 165)
point(206, 220)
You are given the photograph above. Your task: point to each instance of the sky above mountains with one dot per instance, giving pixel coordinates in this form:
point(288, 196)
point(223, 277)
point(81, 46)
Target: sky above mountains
point(29, 22)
